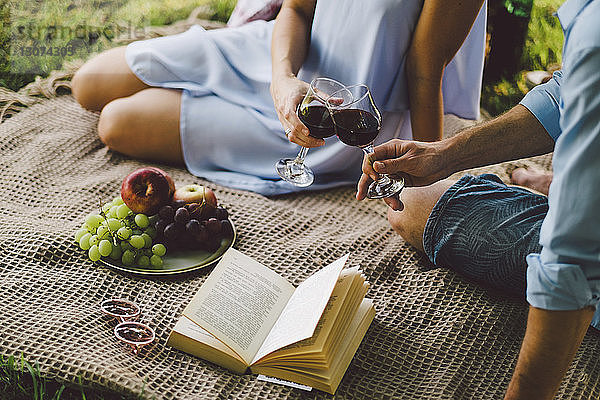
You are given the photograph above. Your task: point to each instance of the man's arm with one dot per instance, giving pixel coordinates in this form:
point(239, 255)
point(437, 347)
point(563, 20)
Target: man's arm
point(563, 282)
point(516, 134)
point(551, 341)
point(526, 130)
point(565, 276)
point(441, 29)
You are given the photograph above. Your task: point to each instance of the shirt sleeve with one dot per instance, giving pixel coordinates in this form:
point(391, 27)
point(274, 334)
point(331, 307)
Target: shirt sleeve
point(544, 103)
point(566, 275)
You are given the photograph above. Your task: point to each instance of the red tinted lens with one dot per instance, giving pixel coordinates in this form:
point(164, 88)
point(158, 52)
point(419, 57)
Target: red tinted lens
point(120, 308)
point(134, 333)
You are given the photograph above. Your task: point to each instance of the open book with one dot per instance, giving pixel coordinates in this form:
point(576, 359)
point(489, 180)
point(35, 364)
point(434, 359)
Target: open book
point(246, 316)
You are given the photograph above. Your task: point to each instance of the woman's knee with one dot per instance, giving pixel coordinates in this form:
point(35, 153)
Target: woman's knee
point(82, 88)
point(87, 83)
point(144, 125)
point(104, 78)
point(114, 124)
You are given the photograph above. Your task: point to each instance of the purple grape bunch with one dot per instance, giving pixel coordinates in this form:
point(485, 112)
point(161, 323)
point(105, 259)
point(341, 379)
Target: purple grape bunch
point(193, 226)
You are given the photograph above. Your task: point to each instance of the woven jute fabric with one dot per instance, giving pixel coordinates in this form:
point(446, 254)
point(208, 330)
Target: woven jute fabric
point(435, 336)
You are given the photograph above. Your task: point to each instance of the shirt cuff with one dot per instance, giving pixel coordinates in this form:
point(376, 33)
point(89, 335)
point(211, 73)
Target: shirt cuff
point(557, 286)
point(543, 102)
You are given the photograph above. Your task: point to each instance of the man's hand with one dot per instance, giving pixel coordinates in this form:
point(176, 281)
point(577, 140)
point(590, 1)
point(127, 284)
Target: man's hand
point(418, 163)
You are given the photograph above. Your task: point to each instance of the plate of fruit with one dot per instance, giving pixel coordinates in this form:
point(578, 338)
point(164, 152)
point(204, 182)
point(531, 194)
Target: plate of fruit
point(152, 228)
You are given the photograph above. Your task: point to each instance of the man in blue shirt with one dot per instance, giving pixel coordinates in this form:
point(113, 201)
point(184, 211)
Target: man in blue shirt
point(507, 237)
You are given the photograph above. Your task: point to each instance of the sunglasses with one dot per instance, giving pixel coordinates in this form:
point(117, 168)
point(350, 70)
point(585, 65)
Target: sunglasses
point(128, 330)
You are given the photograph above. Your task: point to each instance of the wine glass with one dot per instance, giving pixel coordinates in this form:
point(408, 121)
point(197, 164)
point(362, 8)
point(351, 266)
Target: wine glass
point(357, 123)
point(314, 114)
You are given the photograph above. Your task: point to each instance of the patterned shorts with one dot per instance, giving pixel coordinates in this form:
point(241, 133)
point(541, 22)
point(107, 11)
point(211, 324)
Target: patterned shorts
point(483, 229)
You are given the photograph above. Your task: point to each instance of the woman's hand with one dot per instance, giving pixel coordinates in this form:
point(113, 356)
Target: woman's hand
point(418, 163)
point(287, 93)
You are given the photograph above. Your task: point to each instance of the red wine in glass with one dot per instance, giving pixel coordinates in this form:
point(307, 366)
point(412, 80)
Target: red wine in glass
point(356, 127)
point(314, 114)
point(318, 121)
point(357, 123)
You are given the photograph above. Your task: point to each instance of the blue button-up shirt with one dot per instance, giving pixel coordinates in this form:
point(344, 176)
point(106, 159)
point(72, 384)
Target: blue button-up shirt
point(566, 275)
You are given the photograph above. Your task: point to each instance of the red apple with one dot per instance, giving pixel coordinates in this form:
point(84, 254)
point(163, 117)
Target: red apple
point(147, 189)
point(195, 194)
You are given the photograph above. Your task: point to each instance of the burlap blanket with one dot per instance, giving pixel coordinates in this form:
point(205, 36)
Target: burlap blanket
point(434, 336)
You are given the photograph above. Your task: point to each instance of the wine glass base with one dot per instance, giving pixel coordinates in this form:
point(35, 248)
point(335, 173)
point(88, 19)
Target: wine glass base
point(378, 191)
point(297, 174)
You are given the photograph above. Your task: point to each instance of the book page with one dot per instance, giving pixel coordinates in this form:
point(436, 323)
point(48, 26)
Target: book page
point(303, 310)
point(191, 338)
point(186, 327)
point(340, 306)
point(240, 302)
point(328, 379)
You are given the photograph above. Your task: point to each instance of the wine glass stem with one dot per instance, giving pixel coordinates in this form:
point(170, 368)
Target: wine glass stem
point(383, 179)
point(297, 166)
point(301, 155)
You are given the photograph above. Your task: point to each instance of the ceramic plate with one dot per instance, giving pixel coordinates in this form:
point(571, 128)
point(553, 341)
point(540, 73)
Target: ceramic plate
point(177, 262)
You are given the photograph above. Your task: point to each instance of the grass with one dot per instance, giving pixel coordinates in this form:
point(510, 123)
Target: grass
point(21, 380)
point(38, 36)
point(542, 50)
point(543, 46)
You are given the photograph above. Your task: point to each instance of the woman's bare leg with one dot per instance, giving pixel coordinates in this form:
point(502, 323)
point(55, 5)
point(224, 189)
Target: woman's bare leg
point(144, 125)
point(418, 204)
point(105, 78)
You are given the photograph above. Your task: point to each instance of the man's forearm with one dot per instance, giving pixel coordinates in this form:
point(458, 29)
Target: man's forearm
point(551, 341)
point(516, 134)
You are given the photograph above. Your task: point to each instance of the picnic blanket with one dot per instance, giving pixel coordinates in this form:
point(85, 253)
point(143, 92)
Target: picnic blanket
point(435, 335)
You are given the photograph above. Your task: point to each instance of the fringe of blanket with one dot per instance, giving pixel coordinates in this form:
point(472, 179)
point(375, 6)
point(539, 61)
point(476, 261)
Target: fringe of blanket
point(59, 82)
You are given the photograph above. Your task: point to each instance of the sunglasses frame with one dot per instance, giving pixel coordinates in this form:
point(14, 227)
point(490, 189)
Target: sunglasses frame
point(127, 321)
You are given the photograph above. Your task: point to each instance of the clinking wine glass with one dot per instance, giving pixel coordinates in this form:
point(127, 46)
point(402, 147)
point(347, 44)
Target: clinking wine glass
point(314, 114)
point(357, 123)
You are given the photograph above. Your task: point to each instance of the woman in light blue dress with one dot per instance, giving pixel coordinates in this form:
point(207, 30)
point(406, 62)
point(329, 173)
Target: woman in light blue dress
point(218, 101)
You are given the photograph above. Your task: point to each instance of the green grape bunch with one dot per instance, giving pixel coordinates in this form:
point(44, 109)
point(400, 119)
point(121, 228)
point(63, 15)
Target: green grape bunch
point(122, 235)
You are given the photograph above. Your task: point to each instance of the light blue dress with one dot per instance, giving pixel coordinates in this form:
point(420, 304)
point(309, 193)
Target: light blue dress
point(230, 132)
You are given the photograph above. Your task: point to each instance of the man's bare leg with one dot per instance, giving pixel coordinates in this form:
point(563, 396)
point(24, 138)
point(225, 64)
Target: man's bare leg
point(418, 203)
point(533, 179)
